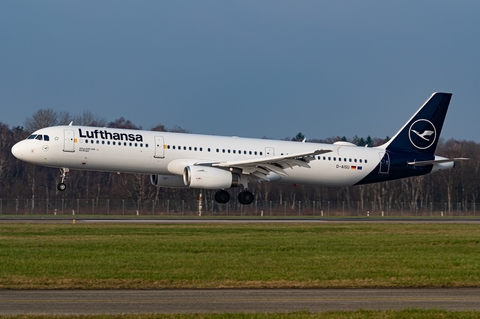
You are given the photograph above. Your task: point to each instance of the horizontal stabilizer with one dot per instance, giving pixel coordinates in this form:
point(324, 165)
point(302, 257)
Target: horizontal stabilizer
point(446, 160)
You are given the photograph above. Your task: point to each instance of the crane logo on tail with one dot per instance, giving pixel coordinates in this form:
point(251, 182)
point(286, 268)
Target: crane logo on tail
point(422, 134)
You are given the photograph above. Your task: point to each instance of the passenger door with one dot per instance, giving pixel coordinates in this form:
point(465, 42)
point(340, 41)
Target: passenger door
point(69, 141)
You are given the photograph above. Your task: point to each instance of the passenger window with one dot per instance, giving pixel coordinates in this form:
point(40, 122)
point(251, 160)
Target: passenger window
point(365, 161)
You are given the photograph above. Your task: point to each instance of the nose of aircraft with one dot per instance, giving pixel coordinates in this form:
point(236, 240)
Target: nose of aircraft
point(18, 150)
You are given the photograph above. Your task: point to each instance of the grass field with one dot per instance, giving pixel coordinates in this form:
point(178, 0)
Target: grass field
point(49, 256)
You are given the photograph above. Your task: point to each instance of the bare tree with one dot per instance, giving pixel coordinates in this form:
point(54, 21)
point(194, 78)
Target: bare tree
point(88, 119)
point(63, 118)
point(178, 129)
point(124, 123)
point(40, 119)
point(159, 128)
point(6, 139)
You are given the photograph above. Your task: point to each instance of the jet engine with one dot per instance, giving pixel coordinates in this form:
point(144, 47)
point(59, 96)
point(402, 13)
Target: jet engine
point(209, 178)
point(170, 181)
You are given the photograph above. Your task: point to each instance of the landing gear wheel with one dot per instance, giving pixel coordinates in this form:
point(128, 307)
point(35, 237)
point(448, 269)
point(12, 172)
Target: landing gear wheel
point(64, 173)
point(222, 197)
point(246, 197)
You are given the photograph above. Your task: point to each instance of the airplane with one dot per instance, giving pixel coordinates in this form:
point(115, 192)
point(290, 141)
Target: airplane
point(180, 160)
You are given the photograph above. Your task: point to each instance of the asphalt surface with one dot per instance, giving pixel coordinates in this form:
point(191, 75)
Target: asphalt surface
point(232, 300)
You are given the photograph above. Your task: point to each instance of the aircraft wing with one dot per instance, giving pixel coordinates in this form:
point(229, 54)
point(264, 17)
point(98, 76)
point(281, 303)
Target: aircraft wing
point(259, 168)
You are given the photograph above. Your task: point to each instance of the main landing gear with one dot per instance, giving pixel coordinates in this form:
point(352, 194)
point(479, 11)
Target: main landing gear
point(222, 197)
point(245, 197)
point(64, 173)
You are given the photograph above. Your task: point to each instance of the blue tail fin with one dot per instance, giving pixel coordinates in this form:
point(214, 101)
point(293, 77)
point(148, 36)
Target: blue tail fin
point(421, 133)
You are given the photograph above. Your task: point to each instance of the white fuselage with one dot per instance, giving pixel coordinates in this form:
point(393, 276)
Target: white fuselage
point(164, 153)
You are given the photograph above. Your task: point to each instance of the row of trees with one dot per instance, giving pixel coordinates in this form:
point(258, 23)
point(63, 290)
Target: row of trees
point(22, 180)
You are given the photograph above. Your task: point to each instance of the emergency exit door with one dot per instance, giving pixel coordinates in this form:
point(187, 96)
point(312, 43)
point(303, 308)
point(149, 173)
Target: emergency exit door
point(159, 147)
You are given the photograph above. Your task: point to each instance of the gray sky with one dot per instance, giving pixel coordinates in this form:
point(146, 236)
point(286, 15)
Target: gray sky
point(245, 68)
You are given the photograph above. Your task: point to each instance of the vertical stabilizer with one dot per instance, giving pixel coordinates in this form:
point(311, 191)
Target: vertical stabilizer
point(421, 133)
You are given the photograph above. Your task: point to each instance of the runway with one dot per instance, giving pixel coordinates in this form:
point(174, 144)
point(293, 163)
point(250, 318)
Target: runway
point(232, 300)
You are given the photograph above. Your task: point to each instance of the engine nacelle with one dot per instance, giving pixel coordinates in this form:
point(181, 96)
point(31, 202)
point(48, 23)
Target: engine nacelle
point(170, 181)
point(209, 178)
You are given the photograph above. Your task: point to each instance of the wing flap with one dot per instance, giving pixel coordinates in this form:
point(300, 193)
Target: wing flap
point(261, 167)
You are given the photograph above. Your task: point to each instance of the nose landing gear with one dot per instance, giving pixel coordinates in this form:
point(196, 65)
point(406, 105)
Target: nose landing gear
point(64, 174)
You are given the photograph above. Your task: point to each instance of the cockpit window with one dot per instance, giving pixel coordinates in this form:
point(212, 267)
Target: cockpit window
point(39, 137)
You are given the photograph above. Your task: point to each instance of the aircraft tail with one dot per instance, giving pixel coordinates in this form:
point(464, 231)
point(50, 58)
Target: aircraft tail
point(422, 132)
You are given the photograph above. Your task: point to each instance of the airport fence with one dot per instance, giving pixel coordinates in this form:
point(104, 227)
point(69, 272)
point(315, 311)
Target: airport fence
point(177, 208)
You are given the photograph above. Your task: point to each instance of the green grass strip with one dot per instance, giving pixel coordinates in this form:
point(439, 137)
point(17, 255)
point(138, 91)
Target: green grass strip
point(112, 256)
